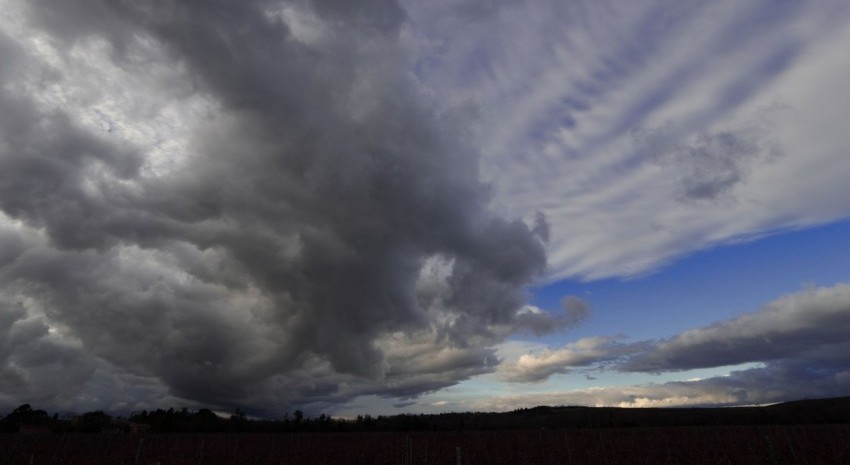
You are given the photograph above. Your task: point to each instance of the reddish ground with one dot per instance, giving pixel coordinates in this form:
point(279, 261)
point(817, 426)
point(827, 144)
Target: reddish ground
point(810, 445)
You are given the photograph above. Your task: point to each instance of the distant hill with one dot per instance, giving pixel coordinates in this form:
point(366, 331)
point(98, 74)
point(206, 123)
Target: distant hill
point(812, 411)
point(800, 412)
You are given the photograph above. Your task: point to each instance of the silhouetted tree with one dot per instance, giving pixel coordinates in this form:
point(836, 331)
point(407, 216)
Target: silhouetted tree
point(93, 422)
point(24, 415)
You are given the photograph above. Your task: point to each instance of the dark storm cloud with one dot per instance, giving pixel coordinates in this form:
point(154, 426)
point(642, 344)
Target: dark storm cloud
point(325, 221)
point(33, 362)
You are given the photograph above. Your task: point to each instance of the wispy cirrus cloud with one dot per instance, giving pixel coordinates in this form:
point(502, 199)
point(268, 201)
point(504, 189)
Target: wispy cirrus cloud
point(646, 131)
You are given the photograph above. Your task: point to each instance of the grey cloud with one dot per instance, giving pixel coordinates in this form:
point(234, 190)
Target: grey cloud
point(800, 338)
point(789, 328)
point(542, 228)
point(576, 310)
point(381, 15)
point(709, 165)
point(272, 264)
point(46, 158)
point(539, 322)
point(717, 166)
point(33, 362)
point(810, 376)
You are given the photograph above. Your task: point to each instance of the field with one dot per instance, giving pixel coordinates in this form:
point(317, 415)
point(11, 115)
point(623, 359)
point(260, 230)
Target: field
point(810, 445)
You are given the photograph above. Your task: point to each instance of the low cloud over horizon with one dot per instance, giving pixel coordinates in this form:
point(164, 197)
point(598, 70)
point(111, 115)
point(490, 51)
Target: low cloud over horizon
point(800, 341)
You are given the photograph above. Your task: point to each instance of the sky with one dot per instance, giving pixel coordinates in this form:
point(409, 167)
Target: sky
point(408, 206)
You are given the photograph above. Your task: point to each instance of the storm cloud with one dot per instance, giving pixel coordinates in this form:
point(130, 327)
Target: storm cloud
point(240, 203)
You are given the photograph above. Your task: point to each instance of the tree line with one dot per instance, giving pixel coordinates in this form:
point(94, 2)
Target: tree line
point(28, 419)
point(815, 411)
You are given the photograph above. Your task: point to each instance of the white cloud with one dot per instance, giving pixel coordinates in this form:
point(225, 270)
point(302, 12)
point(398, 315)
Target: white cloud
point(556, 124)
point(541, 364)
